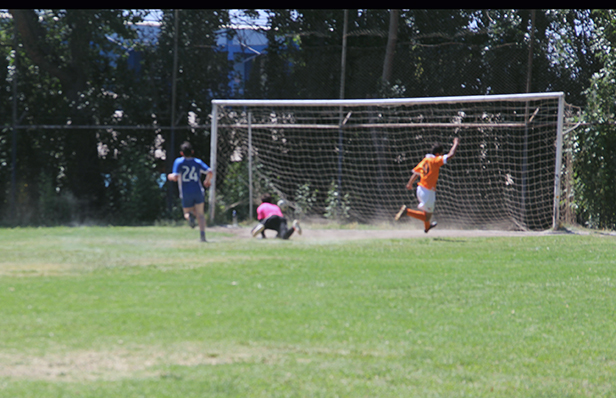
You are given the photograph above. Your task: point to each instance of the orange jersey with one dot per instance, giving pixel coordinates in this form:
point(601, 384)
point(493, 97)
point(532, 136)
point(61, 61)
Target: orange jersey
point(428, 170)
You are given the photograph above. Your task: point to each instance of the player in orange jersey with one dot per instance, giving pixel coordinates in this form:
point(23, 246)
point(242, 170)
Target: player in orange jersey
point(427, 171)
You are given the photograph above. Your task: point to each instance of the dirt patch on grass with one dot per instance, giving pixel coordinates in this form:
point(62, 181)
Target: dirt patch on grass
point(84, 365)
point(110, 365)
point(327, 234)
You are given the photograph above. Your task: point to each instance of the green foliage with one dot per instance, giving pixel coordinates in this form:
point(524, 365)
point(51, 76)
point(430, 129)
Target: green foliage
point(203, 72)
point(438, 52)
point(134, 192)
point(305, 199)
point(337, 206)
point(55, 208)
point(392, 90)
point(234, 193)
point(595, 148)
point(71, 67)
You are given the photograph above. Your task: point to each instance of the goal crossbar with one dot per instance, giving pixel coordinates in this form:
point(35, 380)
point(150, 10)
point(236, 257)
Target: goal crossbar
point(366, 125)
point(387, 101)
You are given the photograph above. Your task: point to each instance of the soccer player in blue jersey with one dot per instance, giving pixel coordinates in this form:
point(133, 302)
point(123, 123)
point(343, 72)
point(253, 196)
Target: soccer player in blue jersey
point(187, 171)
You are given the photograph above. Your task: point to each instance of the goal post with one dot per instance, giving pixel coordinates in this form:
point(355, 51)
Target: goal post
point(351, 159)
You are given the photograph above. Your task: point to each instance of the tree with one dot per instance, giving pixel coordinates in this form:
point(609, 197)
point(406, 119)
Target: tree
point(68, 54)
point(203, 72)
point(595, 145)
point(391, 44)
point(70, 68)
point(74, 70)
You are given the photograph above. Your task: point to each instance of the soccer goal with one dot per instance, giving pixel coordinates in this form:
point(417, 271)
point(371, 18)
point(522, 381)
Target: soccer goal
point(351, 159)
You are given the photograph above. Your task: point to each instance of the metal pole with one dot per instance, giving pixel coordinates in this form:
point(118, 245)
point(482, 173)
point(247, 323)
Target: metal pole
point(174, 78)
point(250, 193)
point(529, 62)
point(14, 132)
point(344, 49)
point(529, 69)
point(170, 155)
point(213, 161)
point(557, 167)
point(342, 81)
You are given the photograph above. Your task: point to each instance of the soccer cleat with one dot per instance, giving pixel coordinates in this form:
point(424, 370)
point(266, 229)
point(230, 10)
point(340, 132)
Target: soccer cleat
point(298, 229)
point(400, 212)
point(192, 220)
point(257, 230)
point(432, 225)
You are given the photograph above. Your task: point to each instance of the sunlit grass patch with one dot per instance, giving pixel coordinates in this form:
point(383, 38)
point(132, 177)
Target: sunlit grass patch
point(151, 311)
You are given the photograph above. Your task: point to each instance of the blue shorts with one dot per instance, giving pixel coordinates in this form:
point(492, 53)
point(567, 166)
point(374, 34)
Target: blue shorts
point(191, 199)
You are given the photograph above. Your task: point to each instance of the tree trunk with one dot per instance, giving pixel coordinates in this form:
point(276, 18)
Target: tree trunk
point(392, 38)
point(83, 170)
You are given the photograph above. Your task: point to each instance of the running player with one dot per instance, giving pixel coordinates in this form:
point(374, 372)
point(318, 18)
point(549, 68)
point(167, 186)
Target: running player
point(187, 171)
point(427, 171)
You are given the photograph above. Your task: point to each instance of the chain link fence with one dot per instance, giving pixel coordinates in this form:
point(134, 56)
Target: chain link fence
point(122, 154)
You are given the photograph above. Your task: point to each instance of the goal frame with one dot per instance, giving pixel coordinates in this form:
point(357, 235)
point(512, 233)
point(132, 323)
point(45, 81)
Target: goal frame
point(388, 102)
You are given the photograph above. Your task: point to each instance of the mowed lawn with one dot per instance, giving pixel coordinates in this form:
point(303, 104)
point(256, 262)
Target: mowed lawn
point(152, 312)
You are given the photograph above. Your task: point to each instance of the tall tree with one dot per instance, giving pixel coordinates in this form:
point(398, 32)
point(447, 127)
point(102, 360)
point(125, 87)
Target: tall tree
point(73, 48)
point(203, 71)
point(595, 146)
point(392, 38)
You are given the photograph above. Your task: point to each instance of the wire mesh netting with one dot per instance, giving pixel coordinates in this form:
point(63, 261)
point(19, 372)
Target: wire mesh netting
point(503, 175)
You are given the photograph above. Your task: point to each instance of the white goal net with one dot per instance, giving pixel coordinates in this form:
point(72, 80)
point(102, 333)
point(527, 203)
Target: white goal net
point(351, 159)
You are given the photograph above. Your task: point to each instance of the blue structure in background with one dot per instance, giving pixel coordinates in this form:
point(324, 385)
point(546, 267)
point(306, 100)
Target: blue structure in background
point(147, 35)
point(242, 43)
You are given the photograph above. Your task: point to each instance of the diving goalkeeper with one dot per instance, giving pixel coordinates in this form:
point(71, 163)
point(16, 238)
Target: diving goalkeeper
point(270, 217)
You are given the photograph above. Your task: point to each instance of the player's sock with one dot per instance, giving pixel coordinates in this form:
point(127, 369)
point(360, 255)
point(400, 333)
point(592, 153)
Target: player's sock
point(430, 226)
point(202, 236)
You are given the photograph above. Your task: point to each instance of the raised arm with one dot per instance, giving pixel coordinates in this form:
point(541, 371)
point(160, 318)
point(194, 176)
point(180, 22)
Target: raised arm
point(452, 151)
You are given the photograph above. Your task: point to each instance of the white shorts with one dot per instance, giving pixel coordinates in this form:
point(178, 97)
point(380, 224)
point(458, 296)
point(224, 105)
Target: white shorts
point(427, 199)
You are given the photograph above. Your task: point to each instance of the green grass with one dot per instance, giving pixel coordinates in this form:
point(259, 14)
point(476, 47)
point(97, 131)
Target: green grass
point(151, 312)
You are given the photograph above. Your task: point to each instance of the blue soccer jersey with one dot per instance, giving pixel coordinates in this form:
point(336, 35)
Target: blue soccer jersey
point(190, 170)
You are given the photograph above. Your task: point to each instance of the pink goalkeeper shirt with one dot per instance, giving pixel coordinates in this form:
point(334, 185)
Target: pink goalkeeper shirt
point(266, 210)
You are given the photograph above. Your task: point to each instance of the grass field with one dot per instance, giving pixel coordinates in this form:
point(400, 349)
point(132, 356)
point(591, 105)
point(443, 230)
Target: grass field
point(151, 312)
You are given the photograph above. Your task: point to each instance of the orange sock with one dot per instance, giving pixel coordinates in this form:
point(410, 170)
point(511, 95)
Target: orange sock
point(418, 214)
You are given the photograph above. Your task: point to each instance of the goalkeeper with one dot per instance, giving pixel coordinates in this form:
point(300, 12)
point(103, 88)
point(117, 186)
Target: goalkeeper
point(270, 217)
point(427, 172)
point(187, 172)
